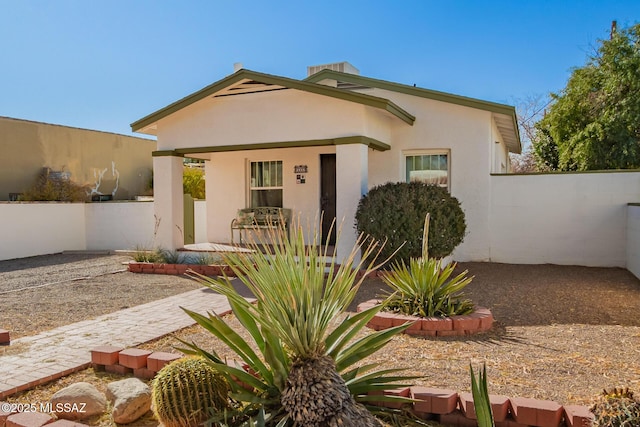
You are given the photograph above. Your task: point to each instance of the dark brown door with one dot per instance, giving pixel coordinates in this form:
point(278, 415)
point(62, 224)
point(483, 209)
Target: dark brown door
point(328, 195)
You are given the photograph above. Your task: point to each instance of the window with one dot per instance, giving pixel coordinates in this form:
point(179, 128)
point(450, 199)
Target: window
point(431, 168)
point(266, 184)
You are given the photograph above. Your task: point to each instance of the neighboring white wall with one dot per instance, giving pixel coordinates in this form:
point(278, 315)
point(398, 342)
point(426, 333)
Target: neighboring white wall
point(633, 239)
point(567, 218)
point(29, 229)
point(126, 225)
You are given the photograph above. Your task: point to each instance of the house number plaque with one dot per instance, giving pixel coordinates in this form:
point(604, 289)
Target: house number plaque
point(300, 171)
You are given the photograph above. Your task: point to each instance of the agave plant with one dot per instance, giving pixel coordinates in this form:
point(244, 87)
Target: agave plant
point(424, 289)
point(303, 369)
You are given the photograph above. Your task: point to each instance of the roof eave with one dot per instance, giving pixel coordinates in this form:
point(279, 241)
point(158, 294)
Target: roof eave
point(493, 107)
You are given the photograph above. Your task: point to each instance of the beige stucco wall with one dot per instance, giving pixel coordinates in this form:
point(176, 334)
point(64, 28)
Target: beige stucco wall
point(285, 115)
point(500, 153)
point(97, 159)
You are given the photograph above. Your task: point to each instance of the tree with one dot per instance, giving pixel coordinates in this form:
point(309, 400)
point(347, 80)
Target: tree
point(193, 182)
point(594, 123)
point(529, 110)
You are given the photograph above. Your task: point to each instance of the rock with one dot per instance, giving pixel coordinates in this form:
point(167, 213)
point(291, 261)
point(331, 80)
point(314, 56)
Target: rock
point(130, 398)
point(78, 402)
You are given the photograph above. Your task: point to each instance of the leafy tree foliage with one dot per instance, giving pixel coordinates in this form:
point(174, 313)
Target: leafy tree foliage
point(594, 123)
point(193, 182)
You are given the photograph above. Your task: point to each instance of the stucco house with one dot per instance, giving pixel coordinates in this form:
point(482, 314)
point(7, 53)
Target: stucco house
point(318, 144)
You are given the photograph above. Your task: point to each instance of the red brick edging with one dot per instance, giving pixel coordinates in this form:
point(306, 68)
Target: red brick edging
point(5, 338)
point(180, 269)
point(480, 320)
point(141, 363)
point(447, 407)
point(205, 270)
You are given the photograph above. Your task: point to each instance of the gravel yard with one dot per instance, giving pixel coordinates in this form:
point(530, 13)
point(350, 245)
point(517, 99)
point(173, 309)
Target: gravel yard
point(562, 333)
point(45, 292)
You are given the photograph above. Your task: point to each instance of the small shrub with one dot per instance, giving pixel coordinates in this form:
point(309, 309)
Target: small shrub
point(145, 255)
point(424, 289)
point(51, 186)
point(170, 257)
point(395, 212)
point(203, 258)
point(616, 408)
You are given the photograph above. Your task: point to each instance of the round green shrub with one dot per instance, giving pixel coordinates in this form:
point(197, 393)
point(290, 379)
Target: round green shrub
point(396, 212)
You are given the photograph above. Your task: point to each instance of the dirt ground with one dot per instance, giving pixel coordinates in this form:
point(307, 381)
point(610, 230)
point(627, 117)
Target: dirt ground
point(562, 333)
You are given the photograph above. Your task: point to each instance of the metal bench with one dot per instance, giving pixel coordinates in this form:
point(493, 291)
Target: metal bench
point(260, 218)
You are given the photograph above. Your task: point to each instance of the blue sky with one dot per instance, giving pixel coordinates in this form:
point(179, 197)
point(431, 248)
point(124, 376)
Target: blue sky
point(102, 64)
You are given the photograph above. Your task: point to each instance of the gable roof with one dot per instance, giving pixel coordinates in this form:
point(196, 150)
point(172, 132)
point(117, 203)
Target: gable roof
point(247, 81)
point(504, 115)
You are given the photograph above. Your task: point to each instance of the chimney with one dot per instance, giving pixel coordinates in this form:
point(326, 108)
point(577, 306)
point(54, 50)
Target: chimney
point(343, 67)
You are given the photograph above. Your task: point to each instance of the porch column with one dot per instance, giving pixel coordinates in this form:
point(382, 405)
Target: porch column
point(168, 202)
point(352, 182)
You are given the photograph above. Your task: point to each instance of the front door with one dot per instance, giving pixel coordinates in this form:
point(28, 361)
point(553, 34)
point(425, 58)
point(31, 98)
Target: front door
point(328, 196)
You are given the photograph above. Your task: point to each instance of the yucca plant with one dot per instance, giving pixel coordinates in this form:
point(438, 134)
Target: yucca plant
point(422, 289)
point(425, 288)
point(303, 367)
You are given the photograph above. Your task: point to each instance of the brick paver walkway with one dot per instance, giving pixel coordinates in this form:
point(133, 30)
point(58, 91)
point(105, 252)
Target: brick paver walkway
point(37, 359)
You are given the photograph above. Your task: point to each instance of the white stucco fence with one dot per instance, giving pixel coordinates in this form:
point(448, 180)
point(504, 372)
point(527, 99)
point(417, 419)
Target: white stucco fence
point(119, 225)
point(566, 218)
point(590, 219)
point(30, 229)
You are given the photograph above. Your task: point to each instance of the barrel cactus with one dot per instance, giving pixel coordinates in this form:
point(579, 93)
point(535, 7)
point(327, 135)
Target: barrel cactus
point(616, 408)
point(186, 391)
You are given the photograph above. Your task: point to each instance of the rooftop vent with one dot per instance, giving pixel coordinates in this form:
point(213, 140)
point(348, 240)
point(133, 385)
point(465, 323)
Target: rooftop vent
point(343, 67)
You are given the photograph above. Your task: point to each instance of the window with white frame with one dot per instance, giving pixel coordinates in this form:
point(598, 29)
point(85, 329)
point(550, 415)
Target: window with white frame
point(265, 187)
point(431, 167)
